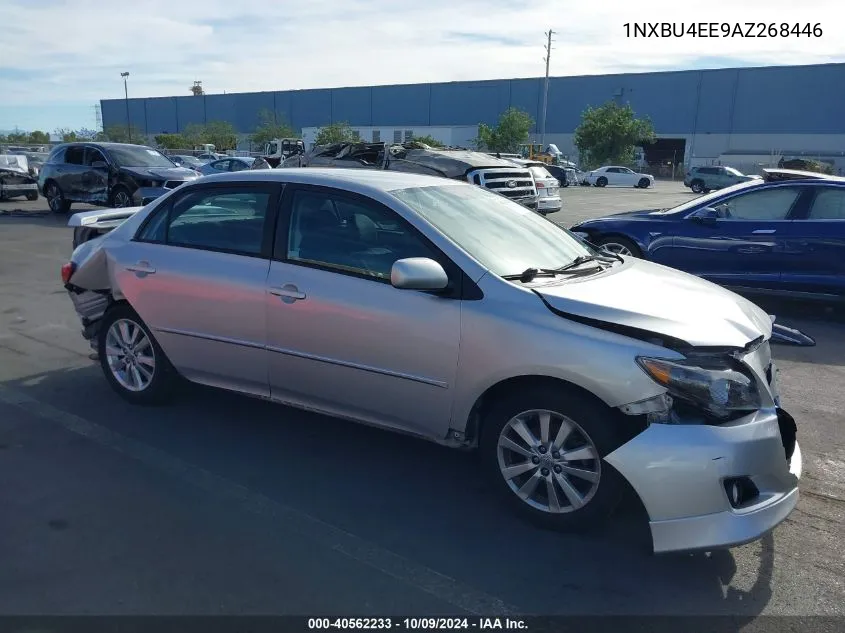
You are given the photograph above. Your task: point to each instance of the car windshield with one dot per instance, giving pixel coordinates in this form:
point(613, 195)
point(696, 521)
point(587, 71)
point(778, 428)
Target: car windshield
point(500, 234)
point(138, 156)
point(189, 160)
point(713, 195)
point(733, 172)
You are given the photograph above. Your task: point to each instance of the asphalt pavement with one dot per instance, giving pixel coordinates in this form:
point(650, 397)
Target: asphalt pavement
point(220, 504)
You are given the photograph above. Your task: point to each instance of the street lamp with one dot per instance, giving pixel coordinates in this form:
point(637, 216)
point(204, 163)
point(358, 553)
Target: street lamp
point(126, 94)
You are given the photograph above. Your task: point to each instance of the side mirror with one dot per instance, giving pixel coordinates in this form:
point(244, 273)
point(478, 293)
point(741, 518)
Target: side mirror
point(707, 215)
point(418, 273)
point(99, 164)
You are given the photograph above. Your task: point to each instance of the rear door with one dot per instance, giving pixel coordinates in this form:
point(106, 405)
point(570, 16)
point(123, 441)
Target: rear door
point(817, 239)
point(71, 177)
point(95, 180)
point(196, 274)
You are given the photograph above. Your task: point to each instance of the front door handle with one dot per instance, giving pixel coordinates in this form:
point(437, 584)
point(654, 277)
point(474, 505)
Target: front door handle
point(289, 293)
point(763, 232)
point(142, 267)
point(750, 250)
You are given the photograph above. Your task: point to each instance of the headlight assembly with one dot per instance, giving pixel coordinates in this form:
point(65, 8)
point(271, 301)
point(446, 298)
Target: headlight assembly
point(718, 386)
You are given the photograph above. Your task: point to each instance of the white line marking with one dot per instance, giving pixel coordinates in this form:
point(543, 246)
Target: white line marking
point(418, 576)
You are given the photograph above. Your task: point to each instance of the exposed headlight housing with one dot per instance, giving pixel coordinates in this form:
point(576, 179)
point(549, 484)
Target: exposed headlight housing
point(718, 386)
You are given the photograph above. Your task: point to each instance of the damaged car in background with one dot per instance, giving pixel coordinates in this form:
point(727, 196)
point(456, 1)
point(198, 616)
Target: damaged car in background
point(496, 174)
point(16, 178)
point(455, 315)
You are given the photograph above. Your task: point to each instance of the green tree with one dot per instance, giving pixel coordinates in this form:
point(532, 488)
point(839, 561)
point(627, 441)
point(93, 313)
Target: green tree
point(610, 133)
point(511, 131)
point(340, 132)
point(119, 134)
point(37, 137)
point(221, 134)
point(171, 141)
point(67, 135)
point(195, 134)
point(428, 140)
point(270, 127)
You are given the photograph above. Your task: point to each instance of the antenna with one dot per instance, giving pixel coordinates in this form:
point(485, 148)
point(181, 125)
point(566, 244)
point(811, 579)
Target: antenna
point(546, 59)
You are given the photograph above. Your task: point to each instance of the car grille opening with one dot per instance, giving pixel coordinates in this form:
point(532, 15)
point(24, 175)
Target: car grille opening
point(788, 432)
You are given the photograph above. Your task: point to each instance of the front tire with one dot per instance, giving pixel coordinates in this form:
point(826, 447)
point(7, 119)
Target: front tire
point(32, 196)
point(697, 186)
point(543, 449)
point(133, 362)
point(643, 183)
point(620, 246)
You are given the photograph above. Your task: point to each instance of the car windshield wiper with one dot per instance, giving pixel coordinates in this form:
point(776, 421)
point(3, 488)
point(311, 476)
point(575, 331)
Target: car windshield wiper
point(530, 273)
point(583, 259)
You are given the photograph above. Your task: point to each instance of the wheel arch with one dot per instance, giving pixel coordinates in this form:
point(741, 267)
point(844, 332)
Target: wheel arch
point(503, 387)
point(626, 236)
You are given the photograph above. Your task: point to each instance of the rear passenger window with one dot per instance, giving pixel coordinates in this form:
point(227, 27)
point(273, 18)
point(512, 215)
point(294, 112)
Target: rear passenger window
point(829, 204)
point(228, 220)
point(75, 155)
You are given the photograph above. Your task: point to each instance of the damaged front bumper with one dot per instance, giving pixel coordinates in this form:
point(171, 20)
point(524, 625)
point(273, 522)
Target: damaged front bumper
point(714, 486)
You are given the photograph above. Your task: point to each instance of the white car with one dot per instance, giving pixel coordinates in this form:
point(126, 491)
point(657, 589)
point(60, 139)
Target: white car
point(620, 177)
point(548, 187)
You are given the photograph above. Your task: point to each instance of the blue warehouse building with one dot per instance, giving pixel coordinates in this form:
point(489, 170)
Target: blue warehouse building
point(700, 116)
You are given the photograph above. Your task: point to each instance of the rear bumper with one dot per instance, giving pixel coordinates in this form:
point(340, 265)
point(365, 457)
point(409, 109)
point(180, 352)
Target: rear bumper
point(550, 204)
point(679, 473)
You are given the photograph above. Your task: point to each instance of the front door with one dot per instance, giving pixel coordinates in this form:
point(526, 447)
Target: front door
point(95, 180)
point(341, 338)
point(196, 274)
point(747, 244)
point(71, 175)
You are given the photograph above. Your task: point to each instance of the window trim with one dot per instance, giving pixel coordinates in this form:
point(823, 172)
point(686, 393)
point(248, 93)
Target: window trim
point(274, 190)
point(816, 189)
point(460, 286)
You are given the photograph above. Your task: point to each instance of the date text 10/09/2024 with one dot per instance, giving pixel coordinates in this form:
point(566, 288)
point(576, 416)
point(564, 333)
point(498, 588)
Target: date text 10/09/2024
point(417, 624)
point(722, 29)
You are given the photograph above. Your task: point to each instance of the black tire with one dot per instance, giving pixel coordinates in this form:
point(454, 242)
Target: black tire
point(164, 377)
point(55, 198)
point(629, 245)
point(643, 183)
point(697, 186)
point(121, 198)
point(601, 182)
point(32, 196)
point(593, 419)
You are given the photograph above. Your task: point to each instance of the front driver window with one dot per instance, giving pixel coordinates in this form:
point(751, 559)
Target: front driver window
point(349, 235)
point(768, 204)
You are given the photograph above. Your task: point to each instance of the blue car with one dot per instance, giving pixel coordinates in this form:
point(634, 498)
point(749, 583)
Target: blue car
point(781, 235)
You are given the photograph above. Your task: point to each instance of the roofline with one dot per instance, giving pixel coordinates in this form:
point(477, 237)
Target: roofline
point(498, 79)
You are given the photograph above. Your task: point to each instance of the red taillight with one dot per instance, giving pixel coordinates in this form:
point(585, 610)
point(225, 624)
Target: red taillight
point(540, 185)
point(67, 271)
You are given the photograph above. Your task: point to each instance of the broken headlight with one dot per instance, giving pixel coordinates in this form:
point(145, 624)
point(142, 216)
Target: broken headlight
point(718, 386)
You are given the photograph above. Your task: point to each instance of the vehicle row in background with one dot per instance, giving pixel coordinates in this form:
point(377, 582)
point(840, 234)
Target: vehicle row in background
point(781, 234)
point(548, 186)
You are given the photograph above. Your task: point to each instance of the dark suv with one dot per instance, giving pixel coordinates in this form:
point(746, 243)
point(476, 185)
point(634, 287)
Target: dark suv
point(107, 174)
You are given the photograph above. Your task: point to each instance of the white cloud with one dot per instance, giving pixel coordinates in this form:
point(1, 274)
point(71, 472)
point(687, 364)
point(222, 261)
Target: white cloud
point(73, 51)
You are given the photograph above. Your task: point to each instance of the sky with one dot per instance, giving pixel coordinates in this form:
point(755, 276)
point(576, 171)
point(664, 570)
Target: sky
point(58, 58)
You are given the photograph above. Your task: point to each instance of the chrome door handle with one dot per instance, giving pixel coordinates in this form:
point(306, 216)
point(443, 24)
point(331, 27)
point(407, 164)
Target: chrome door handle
point(763, 232)
point(288, 291)
point(141, 267)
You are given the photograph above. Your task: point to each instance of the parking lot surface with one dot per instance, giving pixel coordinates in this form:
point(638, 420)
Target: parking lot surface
point(222, 504)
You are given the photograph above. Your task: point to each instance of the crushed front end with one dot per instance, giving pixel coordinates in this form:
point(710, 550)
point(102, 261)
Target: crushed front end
point(718, 463)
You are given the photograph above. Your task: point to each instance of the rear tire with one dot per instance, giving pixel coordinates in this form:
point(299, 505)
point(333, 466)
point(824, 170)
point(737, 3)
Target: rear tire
point(32, 196)
point(133, 362)
point(55, 198)
point(601, 182)
point(556, 485)
point(697, 186)
point(121, 198)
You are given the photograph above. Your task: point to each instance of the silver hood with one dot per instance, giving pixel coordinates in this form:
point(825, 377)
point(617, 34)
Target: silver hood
point(647, 296)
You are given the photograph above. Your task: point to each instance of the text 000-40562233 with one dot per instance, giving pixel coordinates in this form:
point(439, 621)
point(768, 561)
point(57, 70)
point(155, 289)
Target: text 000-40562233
point(722, 29)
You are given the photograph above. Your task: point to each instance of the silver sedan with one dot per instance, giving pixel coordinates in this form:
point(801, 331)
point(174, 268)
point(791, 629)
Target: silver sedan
point(439, 309)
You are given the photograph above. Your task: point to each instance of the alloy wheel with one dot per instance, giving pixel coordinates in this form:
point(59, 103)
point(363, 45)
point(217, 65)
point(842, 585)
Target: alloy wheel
point(130, 355)
point(54, 198)
point(549, 461)
point(616, 248)
point(122, 199)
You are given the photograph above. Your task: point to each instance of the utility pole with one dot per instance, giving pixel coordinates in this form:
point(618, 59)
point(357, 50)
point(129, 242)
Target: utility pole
point(548, 56)
point(126, 94)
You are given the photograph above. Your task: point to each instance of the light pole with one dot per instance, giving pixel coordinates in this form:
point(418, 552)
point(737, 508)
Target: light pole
point(126, 95)
point(548, 34)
